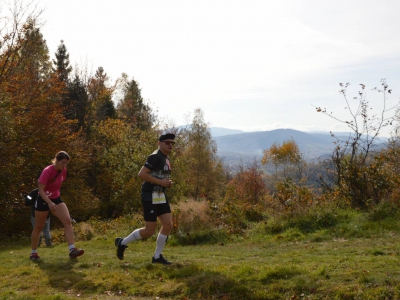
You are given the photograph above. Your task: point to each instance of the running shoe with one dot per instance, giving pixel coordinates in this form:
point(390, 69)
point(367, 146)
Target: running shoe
point(34, 257)
point(120, 248)
point(160, 260)
point(75, 252)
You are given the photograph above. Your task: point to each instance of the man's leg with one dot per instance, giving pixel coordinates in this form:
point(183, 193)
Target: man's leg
point(166, 222)
point(137, 234)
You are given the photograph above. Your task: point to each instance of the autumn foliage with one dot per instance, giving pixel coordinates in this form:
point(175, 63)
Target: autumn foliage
point(109, 130)
point(46, 107)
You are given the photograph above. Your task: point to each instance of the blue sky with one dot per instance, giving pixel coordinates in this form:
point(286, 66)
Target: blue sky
point(249, 65)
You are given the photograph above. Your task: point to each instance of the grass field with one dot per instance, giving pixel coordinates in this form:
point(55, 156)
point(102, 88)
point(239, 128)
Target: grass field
point(289, 265)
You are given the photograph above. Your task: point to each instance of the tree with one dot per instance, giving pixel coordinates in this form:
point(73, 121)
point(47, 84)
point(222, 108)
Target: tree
point(199, 167)
point(282, 157)
point(247, 185)
point(13, 30)
point(354, 168)
point(34, 56)
point(132, 108)
point(388, 162)
point(78, 101)
point(392, 152)
point(116, 161)
point(100, 105)
point(33, 121)
point(62, 69)
point(61, 63)
point(82, 202)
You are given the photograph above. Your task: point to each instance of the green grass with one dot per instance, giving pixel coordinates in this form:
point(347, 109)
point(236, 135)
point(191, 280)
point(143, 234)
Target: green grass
point(358, 258)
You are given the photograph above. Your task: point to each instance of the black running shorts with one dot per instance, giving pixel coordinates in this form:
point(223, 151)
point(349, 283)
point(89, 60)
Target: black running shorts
point(152, 211)
point(41, 205)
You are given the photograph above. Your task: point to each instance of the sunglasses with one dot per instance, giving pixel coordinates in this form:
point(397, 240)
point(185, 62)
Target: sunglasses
point(169, 143)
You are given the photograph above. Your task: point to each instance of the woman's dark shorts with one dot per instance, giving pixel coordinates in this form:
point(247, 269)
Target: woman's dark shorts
point(152, 211)
point(41, 205)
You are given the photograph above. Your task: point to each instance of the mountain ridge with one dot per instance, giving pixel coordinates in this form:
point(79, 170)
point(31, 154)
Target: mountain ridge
point(256, 142)
point(246, 147)
point(220, 131)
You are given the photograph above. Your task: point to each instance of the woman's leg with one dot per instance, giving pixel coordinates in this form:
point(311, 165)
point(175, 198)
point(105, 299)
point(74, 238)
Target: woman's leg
point(40, 218)
point(62, 214)
point(33, 226)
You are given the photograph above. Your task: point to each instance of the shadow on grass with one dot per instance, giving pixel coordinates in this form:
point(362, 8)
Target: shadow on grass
point(10, 244)
point(201, 283)
point(63, 276)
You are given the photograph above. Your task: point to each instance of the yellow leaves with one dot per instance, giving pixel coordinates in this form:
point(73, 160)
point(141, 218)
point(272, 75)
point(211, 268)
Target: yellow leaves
point(288, 152)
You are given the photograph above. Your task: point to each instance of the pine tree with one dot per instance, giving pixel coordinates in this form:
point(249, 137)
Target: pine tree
point(78, 98)
point(132, 107)
point(71, 99)
point(61, 63)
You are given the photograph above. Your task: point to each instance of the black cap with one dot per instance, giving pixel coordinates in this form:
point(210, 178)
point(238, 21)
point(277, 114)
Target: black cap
point(167, 136)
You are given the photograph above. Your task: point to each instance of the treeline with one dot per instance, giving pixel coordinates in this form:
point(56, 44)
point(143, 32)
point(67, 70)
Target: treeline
point(46, 105)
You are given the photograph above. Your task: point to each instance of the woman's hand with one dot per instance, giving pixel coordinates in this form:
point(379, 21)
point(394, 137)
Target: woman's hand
point(52, 206)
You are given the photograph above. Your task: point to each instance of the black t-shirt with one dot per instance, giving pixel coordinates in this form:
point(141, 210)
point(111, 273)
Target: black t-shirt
point(160, 167)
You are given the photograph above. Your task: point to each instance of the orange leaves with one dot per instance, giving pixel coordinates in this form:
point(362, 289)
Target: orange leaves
point(31, 114)
point(248, 186)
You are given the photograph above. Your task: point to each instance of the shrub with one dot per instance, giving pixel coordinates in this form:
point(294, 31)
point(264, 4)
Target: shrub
point(292, 199)
point(383, 211)
point(357, 172)
point(236, 215)
point(190, 216)
point(194, 224)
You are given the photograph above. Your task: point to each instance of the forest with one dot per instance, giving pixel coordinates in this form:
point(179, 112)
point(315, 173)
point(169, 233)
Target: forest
point(108, 129)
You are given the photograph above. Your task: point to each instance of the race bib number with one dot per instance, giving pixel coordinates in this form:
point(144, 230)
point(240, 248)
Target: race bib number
point(159, 198)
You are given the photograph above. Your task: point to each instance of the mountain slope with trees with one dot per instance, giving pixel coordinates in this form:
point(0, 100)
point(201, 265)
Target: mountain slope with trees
point(251, 144)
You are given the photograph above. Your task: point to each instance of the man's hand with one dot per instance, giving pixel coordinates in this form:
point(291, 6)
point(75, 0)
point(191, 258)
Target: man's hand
point(166, 183)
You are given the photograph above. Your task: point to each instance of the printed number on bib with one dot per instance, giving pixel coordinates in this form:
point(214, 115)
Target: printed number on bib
point(159, 198)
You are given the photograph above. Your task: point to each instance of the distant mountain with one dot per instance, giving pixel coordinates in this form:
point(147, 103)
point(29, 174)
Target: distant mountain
point(327, 132)
point(344, 134)
point(219, 131)
point(247, 146)
point(253, 143)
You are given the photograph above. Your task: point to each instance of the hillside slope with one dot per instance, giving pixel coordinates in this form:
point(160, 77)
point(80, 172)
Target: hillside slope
point(247, 147)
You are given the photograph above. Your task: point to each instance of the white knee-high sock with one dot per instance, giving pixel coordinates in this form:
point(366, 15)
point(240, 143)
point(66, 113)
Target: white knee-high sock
point(161, 241)
point(134, 236)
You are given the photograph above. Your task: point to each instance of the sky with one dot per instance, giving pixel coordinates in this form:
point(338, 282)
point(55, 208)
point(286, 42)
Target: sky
point(249, 65)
